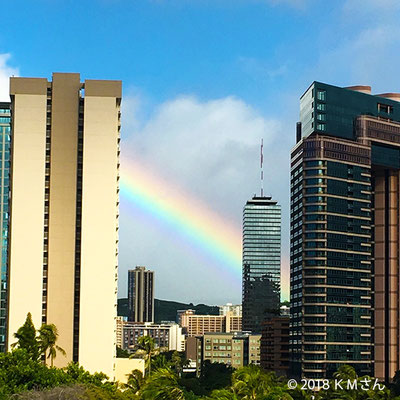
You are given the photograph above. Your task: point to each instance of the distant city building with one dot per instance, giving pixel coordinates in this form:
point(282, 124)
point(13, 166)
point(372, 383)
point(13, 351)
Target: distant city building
point(234, 309)
point(275, 345)
point(194, 325)
point(285, 311)
point(63, 227)
point(179, 314)
point(4, 216)
point(141, 294)
point(261, 262)
point(121, 321)
point(168, 335)
point(236, 349)
point(344, 264)
point(191, 348)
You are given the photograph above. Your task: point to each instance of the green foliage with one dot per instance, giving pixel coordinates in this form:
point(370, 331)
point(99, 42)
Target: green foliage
point(135, 381)
point(102, 393)
point(19, 373)
point(23, 376)
point(38, 343)
point(73, 392)
point(26, 338)
point(163, 385)
point(215, 376)
point(146, 349)
point(48, 335)
point(121, 353)
point(174, 360)
point(252, 383)
point(395, 385)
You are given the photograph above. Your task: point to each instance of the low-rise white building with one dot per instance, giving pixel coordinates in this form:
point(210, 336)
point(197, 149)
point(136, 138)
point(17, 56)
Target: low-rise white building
point(168, 335)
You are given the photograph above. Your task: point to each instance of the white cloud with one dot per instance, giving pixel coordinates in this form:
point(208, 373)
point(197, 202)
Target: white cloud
point(370, 57)
point(5, 72)
point(217, 141)
point(211, 149)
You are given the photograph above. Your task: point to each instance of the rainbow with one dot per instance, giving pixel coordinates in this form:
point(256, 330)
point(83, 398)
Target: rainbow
point(206, 231)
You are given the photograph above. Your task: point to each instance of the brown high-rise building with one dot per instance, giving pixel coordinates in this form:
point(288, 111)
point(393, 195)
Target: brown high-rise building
point(345, 198)
point(141, 295)
point(275, 345)
point(63, 229)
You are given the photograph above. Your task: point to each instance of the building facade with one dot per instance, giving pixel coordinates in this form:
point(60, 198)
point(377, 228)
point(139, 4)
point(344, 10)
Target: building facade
point(345, 233)
point(120, 322)
point(168, 335)
point(261, 262)
point(234, 309)
point(64, 213)
point(141, 294)
point(236, 349)
point(275, 345)
point(194, 325)
point(5, 131)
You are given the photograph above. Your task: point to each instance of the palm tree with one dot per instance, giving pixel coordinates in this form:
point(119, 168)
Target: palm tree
point(146, 349)
point(163, 385)
point(179, 361)
point(223, 394)
point(251, 383)
point(135, 381)
point(159, 361)
point(345, 372)
point(26, 338)
point(48, 335)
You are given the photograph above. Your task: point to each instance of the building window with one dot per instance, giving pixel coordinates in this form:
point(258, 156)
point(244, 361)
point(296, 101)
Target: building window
point(385, 108)
point(321, 117)
point(321, 107)
point(321, 127)
point(321, 95)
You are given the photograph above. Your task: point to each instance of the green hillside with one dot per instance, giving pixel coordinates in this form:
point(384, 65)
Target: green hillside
point(165, 310)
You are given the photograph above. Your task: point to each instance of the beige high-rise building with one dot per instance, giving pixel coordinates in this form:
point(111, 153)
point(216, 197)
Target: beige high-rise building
point(194, 325)
point(64, 213)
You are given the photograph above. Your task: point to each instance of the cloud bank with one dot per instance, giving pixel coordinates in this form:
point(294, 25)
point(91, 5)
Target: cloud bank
point(211, 149)
point(5, 72)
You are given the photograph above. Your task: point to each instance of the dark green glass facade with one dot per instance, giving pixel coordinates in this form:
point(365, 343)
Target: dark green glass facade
point(261, 262)
point(344, 204)
point(331, 110)
point(4, 214)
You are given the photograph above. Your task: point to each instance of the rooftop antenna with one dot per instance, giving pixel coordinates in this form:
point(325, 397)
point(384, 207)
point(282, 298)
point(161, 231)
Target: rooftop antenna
point(262, 168)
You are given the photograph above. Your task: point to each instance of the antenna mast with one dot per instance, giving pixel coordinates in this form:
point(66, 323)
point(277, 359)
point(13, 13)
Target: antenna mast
point(262, 168)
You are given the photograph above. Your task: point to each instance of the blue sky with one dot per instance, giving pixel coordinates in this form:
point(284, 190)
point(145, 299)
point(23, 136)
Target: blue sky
point(186, 64)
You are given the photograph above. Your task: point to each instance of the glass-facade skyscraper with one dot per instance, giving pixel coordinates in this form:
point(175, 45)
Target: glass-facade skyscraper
point(344, 264)
point(261, 262)
point(4, 213)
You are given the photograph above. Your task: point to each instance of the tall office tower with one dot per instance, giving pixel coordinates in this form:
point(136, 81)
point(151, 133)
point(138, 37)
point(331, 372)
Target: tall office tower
point(261, 262)
point(345, 233)
point(141, 294)
point(4, 212)
point(64, 213)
